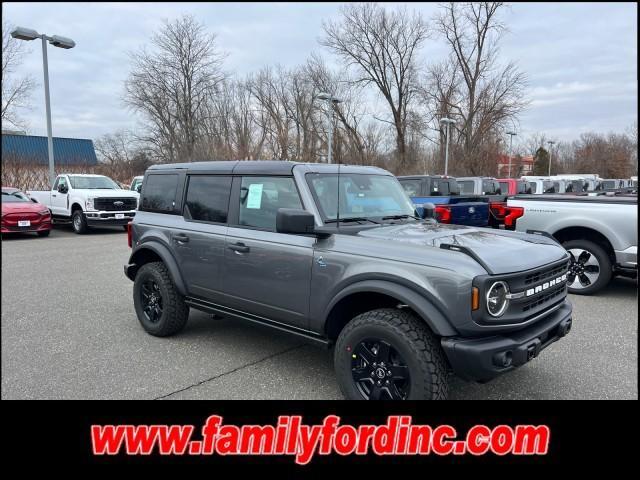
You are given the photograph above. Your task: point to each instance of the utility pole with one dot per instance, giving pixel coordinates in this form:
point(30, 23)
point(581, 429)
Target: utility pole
point(511, 134)
point(447, 122)
point(551, 144)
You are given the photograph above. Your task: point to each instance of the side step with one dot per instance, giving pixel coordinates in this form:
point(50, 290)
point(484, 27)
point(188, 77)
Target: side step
point(222, 311)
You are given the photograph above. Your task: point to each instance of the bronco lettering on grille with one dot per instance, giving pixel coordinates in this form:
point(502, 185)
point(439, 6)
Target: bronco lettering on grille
point(546, 285)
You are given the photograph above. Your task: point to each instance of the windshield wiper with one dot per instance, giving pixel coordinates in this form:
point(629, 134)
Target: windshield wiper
point(352, 219)
point(399, 217)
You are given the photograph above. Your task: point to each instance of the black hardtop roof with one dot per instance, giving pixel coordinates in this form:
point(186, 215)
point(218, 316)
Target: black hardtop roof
point(261, 167)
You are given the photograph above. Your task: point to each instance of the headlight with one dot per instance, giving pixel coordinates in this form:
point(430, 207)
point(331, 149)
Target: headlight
point(89, 204)
point(497, 301)
point(45, 212)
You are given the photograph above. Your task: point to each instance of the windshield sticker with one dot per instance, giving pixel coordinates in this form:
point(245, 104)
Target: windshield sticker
point(254, 199)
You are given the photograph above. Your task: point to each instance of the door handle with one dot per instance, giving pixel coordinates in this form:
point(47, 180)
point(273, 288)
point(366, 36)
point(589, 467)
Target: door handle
point(53, 194)
point(239, 248)
point(182, 238)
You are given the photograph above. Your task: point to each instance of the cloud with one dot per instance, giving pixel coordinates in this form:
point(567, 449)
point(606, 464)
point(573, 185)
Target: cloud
point(581, 59)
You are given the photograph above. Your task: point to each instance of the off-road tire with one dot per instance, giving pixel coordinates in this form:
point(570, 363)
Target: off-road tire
point(606, 270)
point(175, 311)
point(413, 340)
point(79, 222)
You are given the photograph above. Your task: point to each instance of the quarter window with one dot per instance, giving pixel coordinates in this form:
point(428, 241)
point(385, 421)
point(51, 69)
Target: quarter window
point(208, 198)
point(159, 192)
point(261, 197)
point(466, 186)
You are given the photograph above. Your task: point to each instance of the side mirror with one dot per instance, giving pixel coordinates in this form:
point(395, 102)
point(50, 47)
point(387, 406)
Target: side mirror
point(426, 210)
point(293, 220)
point(63, 189)
point(139, 188)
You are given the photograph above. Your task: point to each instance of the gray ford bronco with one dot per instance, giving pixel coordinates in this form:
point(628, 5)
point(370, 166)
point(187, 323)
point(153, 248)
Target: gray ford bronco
point(339, 255)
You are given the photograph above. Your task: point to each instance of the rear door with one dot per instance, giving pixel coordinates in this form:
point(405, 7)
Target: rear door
point(199, 239)
point(266, 273)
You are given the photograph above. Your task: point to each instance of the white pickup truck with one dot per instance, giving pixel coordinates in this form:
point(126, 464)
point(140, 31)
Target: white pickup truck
point(600, 233)
point(88, 201)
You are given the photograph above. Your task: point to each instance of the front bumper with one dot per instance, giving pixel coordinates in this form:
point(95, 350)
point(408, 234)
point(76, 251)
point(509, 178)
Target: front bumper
point(109, 218)
point(482, 359)
point(627, 258)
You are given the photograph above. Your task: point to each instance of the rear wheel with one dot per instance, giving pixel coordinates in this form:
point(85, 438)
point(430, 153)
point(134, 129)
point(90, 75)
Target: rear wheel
point(79, 222)
point(590, 268)
point(389, 354)
point(159, 306)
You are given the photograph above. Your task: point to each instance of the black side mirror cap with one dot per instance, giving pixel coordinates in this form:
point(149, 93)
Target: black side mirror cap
point(426, 210)
point(296, 221)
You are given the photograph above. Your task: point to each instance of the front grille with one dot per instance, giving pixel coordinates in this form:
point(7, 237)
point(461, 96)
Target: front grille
point(545, 298)
point(552, 272)
point(109, 204)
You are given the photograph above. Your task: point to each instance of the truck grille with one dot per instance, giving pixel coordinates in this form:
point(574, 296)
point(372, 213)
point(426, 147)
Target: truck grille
point(544, 299)
point(115, 204)
point(552, 272)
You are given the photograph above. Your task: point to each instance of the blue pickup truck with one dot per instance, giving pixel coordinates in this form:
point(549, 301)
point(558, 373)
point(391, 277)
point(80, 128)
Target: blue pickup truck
point(444, 193)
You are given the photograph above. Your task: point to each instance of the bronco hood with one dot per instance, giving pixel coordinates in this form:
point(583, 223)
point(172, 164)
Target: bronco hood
point(500, 251)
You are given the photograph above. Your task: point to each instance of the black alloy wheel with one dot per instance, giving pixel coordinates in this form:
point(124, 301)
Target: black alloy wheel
point(379, 371)
point(151, 298)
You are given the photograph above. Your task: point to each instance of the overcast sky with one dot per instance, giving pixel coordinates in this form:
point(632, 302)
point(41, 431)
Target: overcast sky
point(580, 59)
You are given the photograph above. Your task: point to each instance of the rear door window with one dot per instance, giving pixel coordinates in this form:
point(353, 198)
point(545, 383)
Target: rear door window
point(208, 198)
point(490, 187)
point(159, 193)
point(504, 186)
point(442, 186)
point(548, 187)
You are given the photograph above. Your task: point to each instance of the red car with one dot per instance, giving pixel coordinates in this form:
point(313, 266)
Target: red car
point(514, 186)
point(21, 214)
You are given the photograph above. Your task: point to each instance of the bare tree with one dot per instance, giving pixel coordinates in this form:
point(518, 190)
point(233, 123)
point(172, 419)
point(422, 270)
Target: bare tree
point(171, 85)
point(382, 45)
point(121, 156)
point(16, 90)
point(480, 93)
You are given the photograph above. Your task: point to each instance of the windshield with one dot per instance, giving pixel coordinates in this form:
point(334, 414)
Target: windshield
point(99, 183)
point(14, 197)
point(361, 196)
point(135, 183)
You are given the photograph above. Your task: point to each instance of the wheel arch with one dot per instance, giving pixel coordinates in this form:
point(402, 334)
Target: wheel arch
point(370, 295)
point(586, 233)
point(156, 252)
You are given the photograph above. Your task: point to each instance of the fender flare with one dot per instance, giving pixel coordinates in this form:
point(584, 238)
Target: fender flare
point(167, 258)
point(425, 308)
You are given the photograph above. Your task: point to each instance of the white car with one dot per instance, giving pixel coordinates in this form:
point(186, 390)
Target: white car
point(88, 201)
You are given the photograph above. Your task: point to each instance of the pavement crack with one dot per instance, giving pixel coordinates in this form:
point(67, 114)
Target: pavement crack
point(215, 377)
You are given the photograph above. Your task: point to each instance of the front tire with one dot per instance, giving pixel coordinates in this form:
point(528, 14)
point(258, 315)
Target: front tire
point(159, 306)
point(590, 269)
point(44, 233)
point(390, 354)
point(79, 222)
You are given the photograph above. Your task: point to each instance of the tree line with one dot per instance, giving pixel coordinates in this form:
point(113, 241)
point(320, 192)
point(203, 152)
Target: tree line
point(392, 99)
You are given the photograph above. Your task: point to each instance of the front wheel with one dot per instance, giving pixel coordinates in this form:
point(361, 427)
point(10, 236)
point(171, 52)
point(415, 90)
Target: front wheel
point(44, 233)
point(590, 267)
point(79, 222)
point(389, 354)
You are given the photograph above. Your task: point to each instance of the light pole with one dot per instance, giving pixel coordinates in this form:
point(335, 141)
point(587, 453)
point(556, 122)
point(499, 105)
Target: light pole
point(447, 122)
point(331, 101)
point(551, 144)
point(511, 134)
point(57, 41)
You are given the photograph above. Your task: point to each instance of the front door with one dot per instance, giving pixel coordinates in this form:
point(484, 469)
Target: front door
point(59, 201)
point(266, 273)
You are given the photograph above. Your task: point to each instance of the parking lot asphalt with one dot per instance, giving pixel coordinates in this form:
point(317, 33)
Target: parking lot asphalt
point(69, 331)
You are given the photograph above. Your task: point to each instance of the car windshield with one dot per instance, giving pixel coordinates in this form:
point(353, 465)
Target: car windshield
point(14, 197)
point(135, 183)
point(90, 183)
point(360, 196)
